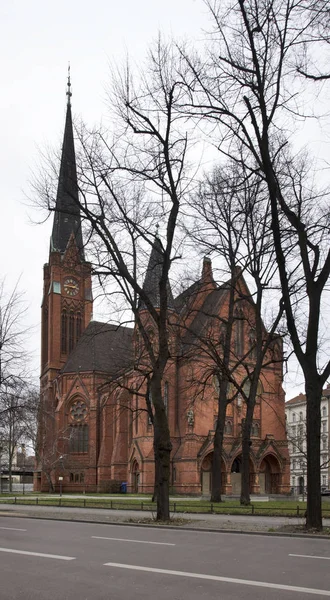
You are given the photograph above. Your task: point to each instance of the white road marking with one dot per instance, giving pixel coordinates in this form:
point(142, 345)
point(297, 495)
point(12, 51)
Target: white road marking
point(310, 556)
point(41, 554)
point(13, 529)
point(98, 537)
point(263, 584)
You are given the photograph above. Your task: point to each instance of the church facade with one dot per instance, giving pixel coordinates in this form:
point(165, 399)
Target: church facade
point(94, 431)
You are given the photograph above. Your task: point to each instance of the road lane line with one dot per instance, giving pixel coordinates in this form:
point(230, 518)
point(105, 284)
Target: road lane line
point(13, 529)
point(263, 584)
point(98, 537)
point(310, 556)
point(41, 554)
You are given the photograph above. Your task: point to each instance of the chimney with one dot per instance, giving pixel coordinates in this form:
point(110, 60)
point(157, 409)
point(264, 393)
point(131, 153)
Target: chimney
point(207, 275)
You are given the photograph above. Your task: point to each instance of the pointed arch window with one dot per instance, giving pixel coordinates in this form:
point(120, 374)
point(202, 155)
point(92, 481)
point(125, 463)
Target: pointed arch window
point(166, 396)
point(253, 344)
point(64, 331)
point(78, 326)
point(229, 428)
point(239, 332)
point(71, 331)
point(79, 439)
point(255, 430)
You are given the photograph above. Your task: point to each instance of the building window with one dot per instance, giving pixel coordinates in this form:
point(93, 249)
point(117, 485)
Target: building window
point(324, 411)
point(79, 439)
point(77, 477)
point(239, 333)
point(324, 443)
point(301, 416)
point(71, 331)
point(78, 326)
point(229, 428)
point(222, 335)
point(294, 417)
point(294, 464)
point(324, 426)
point(64, 331)
point(253, 344)
point(166, 396)
point(255, 430)
point(78, 410)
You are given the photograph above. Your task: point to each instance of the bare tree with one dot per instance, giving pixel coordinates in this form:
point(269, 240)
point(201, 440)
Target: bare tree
point(245, 87)
point(233, 224)
point(13, 333)
point(15, 413)
point(127, 184)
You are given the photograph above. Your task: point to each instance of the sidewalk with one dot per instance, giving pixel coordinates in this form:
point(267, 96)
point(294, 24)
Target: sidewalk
point(240, 523)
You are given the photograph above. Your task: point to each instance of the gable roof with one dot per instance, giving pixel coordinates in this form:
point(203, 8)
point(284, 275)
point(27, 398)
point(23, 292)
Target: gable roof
point(102, 347)
point(153, 276)
point(301, 398)
point(205, 314)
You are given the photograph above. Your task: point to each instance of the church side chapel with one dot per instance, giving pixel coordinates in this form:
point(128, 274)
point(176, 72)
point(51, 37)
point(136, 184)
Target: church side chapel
point(94, 431)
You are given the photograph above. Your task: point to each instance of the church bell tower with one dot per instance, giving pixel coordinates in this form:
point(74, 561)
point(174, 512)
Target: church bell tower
point(67, 291)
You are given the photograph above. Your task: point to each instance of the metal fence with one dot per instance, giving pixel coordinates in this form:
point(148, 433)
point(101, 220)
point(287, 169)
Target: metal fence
point(260, 509)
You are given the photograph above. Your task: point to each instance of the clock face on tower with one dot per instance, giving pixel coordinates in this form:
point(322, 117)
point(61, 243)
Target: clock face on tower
point(71, 286)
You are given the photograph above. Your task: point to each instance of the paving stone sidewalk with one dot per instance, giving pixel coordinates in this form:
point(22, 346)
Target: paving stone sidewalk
point(242, 523)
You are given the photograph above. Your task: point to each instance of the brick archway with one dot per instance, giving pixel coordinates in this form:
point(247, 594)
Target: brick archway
point(270, 474)
point(206, 474)
point(236, 474)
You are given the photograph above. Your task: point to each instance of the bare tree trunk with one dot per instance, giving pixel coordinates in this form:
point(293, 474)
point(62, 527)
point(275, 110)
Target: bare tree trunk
point(162, 450)
point(218, 443)
point(313, 420)
point(155, 494)
point(246, 444)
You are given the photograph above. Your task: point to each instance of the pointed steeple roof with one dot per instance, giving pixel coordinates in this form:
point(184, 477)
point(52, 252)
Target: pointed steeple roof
point(153, 277)
point(67, 213)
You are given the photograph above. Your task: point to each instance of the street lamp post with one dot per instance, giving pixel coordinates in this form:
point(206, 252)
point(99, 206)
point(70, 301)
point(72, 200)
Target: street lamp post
point(61, 477)
point(1, 469)
point(23, 454)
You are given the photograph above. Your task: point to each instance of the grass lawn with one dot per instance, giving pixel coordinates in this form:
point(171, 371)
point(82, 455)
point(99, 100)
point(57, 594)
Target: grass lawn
point(270, 508)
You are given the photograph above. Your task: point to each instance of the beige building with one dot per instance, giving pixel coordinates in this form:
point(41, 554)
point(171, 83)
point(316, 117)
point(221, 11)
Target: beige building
point(295, 411)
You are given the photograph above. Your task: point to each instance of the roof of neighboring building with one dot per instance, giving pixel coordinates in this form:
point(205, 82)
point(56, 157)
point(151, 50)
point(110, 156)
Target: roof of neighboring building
point(102, 347)
point(301, 398)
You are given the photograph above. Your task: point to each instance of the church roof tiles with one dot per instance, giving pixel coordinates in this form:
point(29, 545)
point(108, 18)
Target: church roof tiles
point(102, 347)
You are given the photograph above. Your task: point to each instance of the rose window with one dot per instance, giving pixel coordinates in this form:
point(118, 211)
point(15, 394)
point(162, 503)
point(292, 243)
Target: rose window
point(78, 411)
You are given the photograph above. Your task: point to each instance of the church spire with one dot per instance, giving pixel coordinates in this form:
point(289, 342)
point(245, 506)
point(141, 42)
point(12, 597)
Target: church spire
point(67, 213)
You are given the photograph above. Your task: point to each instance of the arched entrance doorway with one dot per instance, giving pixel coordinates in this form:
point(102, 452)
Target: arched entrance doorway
point(206, 475)
point(269, 475)
point(135, 477)
point(236, 475)
point(301, 485)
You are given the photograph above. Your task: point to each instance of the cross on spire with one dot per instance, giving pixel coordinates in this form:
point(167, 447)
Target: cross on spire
point(68, 91)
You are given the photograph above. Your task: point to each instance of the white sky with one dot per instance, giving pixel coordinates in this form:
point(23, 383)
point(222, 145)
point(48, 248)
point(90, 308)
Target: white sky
point(37, 40)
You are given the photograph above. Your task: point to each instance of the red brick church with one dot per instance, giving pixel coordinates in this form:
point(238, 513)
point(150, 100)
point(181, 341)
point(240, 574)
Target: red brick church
point(93, 432)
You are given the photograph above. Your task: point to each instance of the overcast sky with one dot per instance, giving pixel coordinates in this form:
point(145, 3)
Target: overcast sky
point(37, 40)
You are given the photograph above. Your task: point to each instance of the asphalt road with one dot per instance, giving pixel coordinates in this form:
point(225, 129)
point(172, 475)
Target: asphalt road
point(56, 560)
